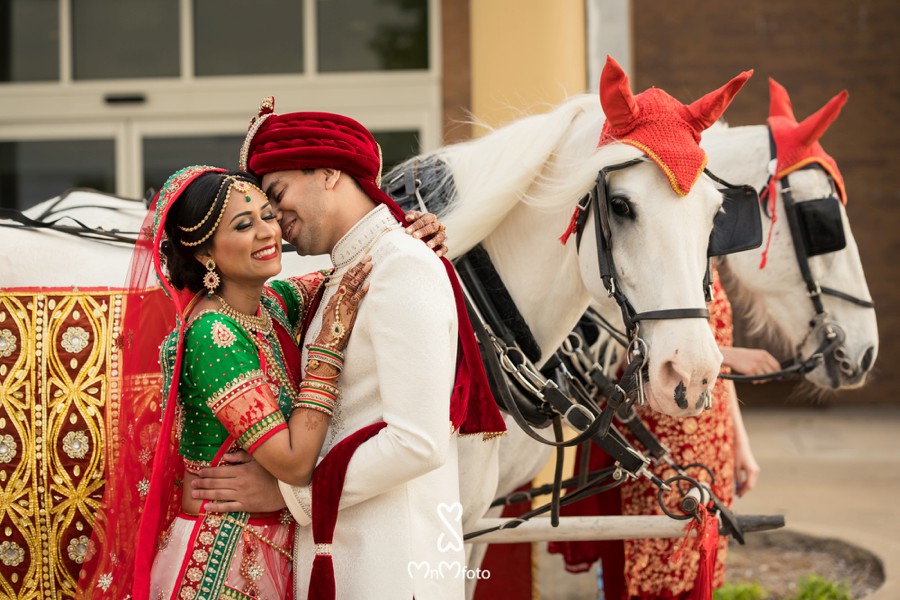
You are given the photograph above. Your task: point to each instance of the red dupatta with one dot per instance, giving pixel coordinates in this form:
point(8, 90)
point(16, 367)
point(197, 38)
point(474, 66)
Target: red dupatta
point(143, 464)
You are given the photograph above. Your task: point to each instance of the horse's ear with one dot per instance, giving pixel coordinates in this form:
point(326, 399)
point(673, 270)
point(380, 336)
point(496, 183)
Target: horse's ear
point(813, 126)
point(779, 101)
point(710, 107)
point(615, 95)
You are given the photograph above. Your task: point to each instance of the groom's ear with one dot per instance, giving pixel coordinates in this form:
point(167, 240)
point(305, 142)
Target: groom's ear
point(332, 176)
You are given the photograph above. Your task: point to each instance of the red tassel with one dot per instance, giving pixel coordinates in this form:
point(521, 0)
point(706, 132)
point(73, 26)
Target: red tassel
point(572, 223)
point(321, 580)
point(770, 190)
point(706, 543)
point(709, 549)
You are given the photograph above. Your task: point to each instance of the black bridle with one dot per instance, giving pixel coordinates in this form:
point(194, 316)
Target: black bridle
point(832, 334)
point(596, 203)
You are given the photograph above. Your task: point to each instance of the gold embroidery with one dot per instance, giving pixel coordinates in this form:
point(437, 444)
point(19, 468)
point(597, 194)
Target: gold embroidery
point(8, 448)
point(234, 388)
point(76, 444)
point(222, 336)
point(53, 400)
point(7, 343)
point(75, 339)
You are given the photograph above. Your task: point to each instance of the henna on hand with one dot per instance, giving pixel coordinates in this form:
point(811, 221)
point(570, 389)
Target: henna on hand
point(340, 312)
point(426, 227)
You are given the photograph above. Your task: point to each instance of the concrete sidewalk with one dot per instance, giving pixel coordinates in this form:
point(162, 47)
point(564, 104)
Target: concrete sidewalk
point(833, 472)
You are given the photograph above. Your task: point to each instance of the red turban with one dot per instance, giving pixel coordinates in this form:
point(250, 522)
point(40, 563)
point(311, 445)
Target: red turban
point(659, 125)
point(315, 140)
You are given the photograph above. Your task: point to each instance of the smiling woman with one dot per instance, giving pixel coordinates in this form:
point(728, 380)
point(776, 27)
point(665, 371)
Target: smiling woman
point(231, 380)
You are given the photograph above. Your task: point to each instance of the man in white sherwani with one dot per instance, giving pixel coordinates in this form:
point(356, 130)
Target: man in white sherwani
point(411, 375)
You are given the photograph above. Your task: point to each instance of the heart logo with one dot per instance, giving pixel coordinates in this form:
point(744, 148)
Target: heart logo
point(415, 567)
point(454, 569)
point(451, 516)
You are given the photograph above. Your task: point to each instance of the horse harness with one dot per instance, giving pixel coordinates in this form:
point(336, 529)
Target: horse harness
point(531, 396)
point(816, 227)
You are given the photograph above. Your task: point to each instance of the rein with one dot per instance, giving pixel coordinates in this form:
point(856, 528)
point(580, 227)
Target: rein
point(23, 221)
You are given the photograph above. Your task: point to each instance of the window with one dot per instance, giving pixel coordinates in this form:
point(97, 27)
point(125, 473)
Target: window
point(396, 146)
point(165, 155)
point(125, 39)
point(372, 35)
point(233, 37)
point(31, 172)
point(29, 30)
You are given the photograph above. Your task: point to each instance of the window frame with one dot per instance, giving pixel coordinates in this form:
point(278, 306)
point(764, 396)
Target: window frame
point(215, 105)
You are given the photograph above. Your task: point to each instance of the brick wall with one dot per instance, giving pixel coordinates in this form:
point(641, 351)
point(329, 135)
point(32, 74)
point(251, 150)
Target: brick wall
point(814, 48)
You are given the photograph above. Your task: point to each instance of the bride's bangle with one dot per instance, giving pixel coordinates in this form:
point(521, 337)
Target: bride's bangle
point(320, 354)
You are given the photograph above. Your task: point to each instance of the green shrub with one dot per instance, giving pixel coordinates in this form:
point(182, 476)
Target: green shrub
point(813, 587)
point(740, 591)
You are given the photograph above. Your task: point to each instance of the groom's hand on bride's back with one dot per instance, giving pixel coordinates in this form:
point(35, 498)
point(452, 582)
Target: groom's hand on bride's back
point(241, 486)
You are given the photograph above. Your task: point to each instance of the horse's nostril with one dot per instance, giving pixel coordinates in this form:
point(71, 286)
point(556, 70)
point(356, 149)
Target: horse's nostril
point(868, 357)
point(681, 396)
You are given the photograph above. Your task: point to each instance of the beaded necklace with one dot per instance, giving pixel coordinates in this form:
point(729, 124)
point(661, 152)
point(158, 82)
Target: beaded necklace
point(261, 324)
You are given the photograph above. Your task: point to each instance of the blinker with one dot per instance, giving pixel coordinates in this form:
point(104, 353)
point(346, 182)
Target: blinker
point(821, 225)
point(738, 226)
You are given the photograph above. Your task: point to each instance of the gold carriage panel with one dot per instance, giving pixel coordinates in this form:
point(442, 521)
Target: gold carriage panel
point(59, 397)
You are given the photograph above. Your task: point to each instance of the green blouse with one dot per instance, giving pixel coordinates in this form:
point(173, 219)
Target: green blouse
point(221, 359)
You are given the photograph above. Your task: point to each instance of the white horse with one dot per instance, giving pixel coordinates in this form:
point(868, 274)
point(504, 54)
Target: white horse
point(774, 299)
point(513, 192)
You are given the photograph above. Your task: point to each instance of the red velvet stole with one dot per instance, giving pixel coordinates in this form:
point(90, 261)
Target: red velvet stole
point(327, 487)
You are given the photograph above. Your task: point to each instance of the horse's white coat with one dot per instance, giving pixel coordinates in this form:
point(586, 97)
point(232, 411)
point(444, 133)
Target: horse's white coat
point(774, 298)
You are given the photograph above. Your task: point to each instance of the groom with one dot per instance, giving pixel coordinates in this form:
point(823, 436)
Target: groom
point(390, 464)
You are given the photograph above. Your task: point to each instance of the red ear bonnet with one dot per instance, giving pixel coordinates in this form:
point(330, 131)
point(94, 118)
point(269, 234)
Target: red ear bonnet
point(797, 144)
point(659, 125)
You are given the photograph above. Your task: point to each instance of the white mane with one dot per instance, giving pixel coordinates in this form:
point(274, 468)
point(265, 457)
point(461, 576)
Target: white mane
point(547, 161)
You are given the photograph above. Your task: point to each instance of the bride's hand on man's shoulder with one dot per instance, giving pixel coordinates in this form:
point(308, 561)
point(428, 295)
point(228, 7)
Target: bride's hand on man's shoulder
point(426, 227)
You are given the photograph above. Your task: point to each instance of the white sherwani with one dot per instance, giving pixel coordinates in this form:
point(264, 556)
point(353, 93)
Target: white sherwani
point(398, 531)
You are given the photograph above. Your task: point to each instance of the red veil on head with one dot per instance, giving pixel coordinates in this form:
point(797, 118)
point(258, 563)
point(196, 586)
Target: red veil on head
point(144, 471)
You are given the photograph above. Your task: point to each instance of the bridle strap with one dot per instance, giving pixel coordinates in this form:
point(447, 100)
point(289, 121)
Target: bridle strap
point(847, 297)
point(606, 261)
point(814, 290)
point(671, 313)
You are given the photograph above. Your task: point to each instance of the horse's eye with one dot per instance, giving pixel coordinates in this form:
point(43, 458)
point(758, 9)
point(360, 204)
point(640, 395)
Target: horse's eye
point(620, 206)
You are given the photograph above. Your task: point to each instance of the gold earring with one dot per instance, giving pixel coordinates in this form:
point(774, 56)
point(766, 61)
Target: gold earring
point(211, 280)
